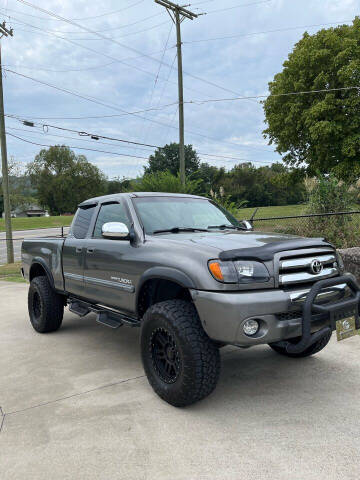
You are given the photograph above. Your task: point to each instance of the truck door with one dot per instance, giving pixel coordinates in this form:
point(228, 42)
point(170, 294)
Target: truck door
point(74, 251)
point(108, 273)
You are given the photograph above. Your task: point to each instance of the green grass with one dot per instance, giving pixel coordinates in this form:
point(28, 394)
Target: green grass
point(37, 222)
point(11, 273)
point(265, 212)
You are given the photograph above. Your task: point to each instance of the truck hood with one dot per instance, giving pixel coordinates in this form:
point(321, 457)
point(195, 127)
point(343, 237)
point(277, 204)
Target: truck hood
point(227, 240)
point(232, 244)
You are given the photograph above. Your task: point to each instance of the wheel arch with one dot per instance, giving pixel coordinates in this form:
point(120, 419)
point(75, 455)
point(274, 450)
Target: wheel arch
point(155, 281)
point(39, 268)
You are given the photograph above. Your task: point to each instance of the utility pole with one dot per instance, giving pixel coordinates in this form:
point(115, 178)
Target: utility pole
point(178, 15)
point(4, 32)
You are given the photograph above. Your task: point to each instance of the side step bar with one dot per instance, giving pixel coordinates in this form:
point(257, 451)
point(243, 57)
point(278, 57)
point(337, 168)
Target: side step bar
point(105, 316)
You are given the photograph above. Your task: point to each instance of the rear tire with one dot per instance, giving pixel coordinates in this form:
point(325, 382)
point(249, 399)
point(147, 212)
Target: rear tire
point(46, 307)
point(312, 350)
point(182, 364)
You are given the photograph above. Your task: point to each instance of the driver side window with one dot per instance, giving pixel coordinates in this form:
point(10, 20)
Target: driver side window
point(111, 212)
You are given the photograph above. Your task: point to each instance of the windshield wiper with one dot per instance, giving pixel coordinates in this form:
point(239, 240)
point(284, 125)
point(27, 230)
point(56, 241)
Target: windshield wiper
point(181, 229)
point(224, 227)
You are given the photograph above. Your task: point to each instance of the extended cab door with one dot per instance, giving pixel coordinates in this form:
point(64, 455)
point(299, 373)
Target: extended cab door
point(74, 250)
point(108, 274)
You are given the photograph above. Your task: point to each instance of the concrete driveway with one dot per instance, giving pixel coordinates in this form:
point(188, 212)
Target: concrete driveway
point(76, 405)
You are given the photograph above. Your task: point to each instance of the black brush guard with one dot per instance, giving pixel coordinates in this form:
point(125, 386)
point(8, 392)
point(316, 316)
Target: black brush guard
point(332, 309)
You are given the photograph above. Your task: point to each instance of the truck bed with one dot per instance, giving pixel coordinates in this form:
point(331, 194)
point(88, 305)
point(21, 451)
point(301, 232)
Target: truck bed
point(47, 251)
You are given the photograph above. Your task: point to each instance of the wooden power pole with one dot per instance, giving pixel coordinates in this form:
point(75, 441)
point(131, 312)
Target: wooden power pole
point(5, 32)
point(178, 14)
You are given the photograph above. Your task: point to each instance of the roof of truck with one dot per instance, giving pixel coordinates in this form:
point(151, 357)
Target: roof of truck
point(115, 196)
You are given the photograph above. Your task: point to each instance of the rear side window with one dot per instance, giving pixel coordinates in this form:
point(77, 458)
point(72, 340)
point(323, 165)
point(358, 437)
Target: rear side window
point(111, 212)
point(82, 221)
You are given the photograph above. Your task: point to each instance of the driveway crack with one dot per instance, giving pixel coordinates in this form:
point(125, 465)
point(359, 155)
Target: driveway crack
point(69, 396)
point(2, 419)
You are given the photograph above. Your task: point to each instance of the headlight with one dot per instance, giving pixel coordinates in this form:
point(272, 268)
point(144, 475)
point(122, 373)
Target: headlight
point(241, 271)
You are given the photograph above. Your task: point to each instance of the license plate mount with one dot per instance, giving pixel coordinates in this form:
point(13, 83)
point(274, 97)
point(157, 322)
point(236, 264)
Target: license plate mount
point(347, 327)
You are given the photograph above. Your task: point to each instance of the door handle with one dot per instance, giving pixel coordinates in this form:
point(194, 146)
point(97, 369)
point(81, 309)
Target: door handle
point(90, 250)
point(78, 249)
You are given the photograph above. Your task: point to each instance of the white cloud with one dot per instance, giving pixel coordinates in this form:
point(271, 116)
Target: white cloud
point(242, 66)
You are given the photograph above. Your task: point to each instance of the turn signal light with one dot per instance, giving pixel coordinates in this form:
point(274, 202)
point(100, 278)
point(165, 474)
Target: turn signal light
point(216, 272)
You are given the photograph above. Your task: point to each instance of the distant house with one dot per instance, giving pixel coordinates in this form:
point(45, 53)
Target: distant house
point(30, 211)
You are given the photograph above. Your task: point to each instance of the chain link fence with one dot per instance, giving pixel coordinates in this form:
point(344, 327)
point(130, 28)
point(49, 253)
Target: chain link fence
point(340, 228)
point(19, 236)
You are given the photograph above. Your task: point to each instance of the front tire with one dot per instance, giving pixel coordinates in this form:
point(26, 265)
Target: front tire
point(46, 307)
point(182, 364)
point(312, 350)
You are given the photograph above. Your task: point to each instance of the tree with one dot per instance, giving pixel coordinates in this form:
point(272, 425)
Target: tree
point(167, 159)
point(22, 195)
point(164, 182)
point(117, 185)
point(64, 179)
point(210, 177)
point(320, 129)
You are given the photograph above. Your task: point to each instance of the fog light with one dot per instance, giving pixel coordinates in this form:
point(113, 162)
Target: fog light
point(251, 327)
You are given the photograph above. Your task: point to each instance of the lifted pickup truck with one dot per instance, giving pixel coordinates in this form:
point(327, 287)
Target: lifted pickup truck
point(194, 279)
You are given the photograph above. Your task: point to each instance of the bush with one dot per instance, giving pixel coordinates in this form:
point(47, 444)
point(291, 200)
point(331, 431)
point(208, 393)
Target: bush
point(164, 182)
point(328, 195)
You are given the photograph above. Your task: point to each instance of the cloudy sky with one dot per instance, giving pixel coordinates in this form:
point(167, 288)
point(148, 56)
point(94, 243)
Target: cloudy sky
point(134, 70)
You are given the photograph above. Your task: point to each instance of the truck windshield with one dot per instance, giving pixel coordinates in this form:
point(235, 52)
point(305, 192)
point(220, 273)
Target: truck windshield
point(162, 214)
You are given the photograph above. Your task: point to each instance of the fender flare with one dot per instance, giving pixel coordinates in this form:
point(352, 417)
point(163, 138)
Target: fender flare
point(42, 263)
point(164, 273)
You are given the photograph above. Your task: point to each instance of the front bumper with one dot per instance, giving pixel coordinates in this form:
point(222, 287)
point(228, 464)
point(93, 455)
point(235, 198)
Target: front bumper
point(279, 312)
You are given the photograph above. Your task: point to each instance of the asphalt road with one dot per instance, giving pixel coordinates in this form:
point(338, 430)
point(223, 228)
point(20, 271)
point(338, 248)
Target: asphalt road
point(18, 236)
point(77, 406)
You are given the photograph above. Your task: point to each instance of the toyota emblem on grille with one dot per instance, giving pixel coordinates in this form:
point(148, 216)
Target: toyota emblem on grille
point(316, 267)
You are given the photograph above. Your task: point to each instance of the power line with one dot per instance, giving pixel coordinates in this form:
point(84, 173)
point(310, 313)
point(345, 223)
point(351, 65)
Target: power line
point(83, 133)
point(129, 34)
point(231, 8)
point(71, 21)
point(113, 12)
point(104, 37)
point(83, 18)
point(156, 80)
point(210, 155)
point(286, 29)
point(97, 137)
point(305, 92)
point(83, 97)
point(96, 67)
point(89, 117)
point(116, 60)
point(96, 101)
point(78, 148)
point(47, 134)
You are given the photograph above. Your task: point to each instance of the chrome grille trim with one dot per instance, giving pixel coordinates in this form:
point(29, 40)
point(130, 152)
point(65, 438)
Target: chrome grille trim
point(305, 262)
point(297, 268)
point(305, 277)
point(325, 295)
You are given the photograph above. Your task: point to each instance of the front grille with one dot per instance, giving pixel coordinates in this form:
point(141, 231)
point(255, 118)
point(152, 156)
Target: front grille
point(307, 268)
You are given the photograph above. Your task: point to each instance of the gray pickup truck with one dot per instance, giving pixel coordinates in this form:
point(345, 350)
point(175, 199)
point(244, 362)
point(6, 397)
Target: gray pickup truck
point(194, 279)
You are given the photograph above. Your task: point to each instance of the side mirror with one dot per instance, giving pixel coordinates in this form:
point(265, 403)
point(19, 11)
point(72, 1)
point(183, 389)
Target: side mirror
point(115, 230)
point(247, 225)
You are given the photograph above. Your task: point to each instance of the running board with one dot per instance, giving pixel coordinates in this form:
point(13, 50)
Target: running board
point(105, 316)
point(79, 308)
point(108, 320)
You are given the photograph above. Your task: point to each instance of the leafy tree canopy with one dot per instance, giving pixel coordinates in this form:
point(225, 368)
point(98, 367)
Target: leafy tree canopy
point(167, 159)
point(320, 129)
point(63, 179)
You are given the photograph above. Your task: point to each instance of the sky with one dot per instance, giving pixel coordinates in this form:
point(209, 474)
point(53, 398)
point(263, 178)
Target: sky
point(115, 73)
